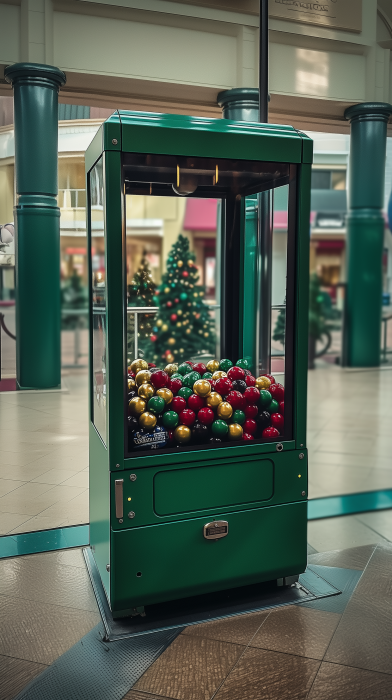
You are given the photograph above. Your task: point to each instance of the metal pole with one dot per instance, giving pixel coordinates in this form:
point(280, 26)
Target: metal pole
point(263, 62)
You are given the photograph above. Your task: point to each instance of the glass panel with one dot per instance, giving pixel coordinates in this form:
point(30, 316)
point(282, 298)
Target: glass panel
point(98, 296)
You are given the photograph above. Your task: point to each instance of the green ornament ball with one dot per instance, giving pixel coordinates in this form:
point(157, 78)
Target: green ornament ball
point(207, 375)
point(156, 404)
point(219, 428)
point(191, 378)
point(183, 296)
point(265, 398)
point(225, 365)
point(273, 407)
point(183, 370)
point(238, 417)
point(170, 419)
point(185, 392)
point(244, 364)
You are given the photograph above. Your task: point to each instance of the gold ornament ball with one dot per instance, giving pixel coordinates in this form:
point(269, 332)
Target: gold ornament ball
point(159, 322)
point(182, 434)
point(206, 335)
point(178, 324)
point(219, 374)
point(202, 387)
point(170, 357)
point(171, 368)
point(143, 377)
point(146, 391)
point(165, 327)
point(138, 365)
point(167, 290)
point(235, 431)
point(147, 420)
point(171, 341)
point(137, 405)
point(212, 365)
point(180, 263)
point(188, 330)
point(225, 410)
point(263, 383)
point(131, 384)
point(165, 394)
point(214, 399)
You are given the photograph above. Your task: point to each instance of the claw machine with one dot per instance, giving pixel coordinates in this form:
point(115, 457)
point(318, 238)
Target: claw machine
point(198, 461)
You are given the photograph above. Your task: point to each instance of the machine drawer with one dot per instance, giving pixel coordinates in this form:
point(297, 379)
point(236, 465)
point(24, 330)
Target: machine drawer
point(218, 486)
point(174, 560)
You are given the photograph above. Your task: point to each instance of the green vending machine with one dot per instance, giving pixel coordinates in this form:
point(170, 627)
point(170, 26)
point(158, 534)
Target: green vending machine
point(198, 355)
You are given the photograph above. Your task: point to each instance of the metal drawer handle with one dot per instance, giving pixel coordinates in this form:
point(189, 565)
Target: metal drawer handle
point(118, 493)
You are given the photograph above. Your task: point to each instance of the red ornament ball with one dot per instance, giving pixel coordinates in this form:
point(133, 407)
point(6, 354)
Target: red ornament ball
point(277, 391)
point(176, 301)
point(251, 394)
point(178, 404)
point(195, 402)
point(247, 437)
point(270, 432)
point(236, 399)
point(169, 304)
point(175, 386)
point(187, 417)
point(270, 377)
point(199, 367)
point(153, 338)
point(131, 375)
point(250, 380)
point(223, 385)
point(251, 411)
point(167, 352)
point(159, 379)
point(277, 421)
point(188, 362)
point(173, 317)
point(171, 436)
point(235, 373)
point(250, 426)
point(185, 274)
point(281, 407)
point(213, 384)
point(151, 365)
point(206, 415)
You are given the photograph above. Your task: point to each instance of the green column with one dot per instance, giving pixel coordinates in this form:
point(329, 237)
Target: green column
point(365, 233)
point(37, 224)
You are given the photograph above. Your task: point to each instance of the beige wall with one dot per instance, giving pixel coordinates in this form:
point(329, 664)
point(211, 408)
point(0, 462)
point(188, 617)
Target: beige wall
point(6, 193)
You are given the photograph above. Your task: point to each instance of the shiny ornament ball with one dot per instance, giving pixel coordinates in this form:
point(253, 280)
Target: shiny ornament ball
point(183, 296)
point(165, 394)
point(271, 378)
point(171, 341)
point(270, 432)
point(182, 434)
point(131, 375)
point(165, 327)
point(206, 415)
point(191, 378)
point(143, 377)
point(175, 386)
point(199, 367)
point(183, 369)
point(281, 407)
point(212, 365)
point(200, 433)
point(171, 369)
point(195, 402)
point(180, 263)
point(218, 374)
point(223, 385)
point(250, 380)
point(173, 317)
point(187, 417)
point(250, 426)
point(244, 364)
point(151, 366)
point(202, 387)
point(277, 421)
point(235, 431)
point(147, 420)
point(160, 379)
point(169, 304)
point(207, 375)
point(185, 273)
point(251, 411)
point(263, 382)
point(170, 419)
point(236, 399)
point(178, 404)
point(239, 417)
point(236, 373)
point(224, 410)
point(219, 428)
point(176, 375)
point(156, 404)
point(153, 338)
point(137, 406)
point(252, 395)
point(131, 384)
point(247, 437)
point(263, 420)
point(166, 290)
point(146, 391)
point(185, 392)
point(239, 385)
point(274, 406)
point(225, 365)
point(277, 392)
point(214, 399)
point(265, 398)
point(138, 365)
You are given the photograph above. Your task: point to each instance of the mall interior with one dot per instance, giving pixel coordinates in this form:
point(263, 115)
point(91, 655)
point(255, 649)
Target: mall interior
point(195, 350)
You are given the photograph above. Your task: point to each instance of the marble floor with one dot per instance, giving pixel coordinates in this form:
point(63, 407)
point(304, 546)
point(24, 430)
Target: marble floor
point(44, 446)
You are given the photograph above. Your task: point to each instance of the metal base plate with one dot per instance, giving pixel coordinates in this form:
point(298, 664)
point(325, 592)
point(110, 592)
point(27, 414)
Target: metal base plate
point(210, 606)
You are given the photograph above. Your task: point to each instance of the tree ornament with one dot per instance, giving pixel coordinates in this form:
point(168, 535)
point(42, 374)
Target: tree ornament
point(251, 411)
point(178, 404)
point(156, 404)
point(137, 405)
point(252, 395)
point(131, 384)
point(138, 365)
point(224, 410)
point(270, 432)
point(190, 379)
point(239, 385)
point(171, 341)
point(175, 385)
point(236, 399)
point(165, 328)
point(199, 367)
point(187, 417)
point(247, 437)
point(143, 377)
point(218, 374)
point(219, 428)
point(236, 373)
point(235, 431)
point(182, 434)
point(223, 385)
point(265, 398)
point(250, 380)
point(207, 375)
point(183, 368)
point(277, 421)
point(185, 273)
point(180, 263)
point(212, 365)
point(183, 296)
point(274, 406)
point(185, 392)
point(206, 415)
point(165, 394)
point(225, 365)
point(281, 407)
point(173, 318)
point(250, 426)
point(153, 338)
point(195, 402)
point(146, 391)
point(169, 304)
point(201, 387)
point(277, 392)
point(167, 290)
point(263, 382)
point(170, 419)
point(214, 399)
point(244, 364)
point(238, 417)
point(171, 369)
point(147, 420)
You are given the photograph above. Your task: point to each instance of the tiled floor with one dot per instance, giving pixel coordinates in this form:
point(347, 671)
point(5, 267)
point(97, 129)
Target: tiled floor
point(44, 448)
point(46, 606)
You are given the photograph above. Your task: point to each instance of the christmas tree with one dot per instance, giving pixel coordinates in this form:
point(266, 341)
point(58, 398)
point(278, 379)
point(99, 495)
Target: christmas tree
point(183, 328)
point(141, 292)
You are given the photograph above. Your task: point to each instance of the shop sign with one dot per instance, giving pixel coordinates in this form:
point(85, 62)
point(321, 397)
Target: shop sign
point(337, 14)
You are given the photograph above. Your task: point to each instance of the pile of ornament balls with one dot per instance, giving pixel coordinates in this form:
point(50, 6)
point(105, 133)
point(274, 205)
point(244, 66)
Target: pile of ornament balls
point(197, 403)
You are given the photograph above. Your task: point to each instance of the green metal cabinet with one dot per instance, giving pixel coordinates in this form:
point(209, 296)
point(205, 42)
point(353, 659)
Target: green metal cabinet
point(148, 510)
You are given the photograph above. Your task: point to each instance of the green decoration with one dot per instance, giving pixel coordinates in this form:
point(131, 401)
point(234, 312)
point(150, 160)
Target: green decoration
point(170, 419)
point(225, 365)
point(238, 417)
point(265, 399)
point(185, 392)
point(219, 428)
point(191, 378)
point(156, 404)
